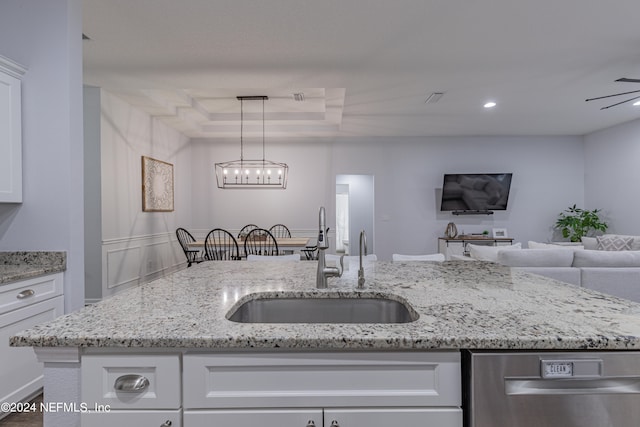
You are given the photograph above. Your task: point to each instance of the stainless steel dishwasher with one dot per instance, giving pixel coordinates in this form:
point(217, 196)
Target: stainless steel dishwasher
point(551, 389)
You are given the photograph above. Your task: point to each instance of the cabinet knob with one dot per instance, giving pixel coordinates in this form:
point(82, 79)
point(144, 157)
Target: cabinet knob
point(26, 294)
point(334, 423)
point(131, 383)
point(167, 423)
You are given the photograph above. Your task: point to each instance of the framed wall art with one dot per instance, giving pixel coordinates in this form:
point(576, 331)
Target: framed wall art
point(157, 185)
point(499, 232)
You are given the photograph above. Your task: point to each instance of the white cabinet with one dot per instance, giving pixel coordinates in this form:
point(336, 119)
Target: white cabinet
point(330, 417)
point(193, 388)
point(253, 418)
point(128, 390)
point(111, 418)
point(10, 131)
point(25, 304)
point(322, 389)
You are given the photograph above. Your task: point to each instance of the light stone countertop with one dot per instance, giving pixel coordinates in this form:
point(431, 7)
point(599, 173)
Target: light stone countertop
point(15, 266)
point(472, 305)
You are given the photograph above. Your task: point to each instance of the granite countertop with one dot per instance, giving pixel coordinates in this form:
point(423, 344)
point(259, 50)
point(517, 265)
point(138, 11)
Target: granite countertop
point(16, 266)
point(477, 305)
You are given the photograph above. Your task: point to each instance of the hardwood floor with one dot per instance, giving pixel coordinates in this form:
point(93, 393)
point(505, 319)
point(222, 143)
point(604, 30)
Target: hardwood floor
point(25, 419)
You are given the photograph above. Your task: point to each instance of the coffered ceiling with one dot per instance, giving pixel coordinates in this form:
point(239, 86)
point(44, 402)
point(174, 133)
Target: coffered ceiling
point(366, 67)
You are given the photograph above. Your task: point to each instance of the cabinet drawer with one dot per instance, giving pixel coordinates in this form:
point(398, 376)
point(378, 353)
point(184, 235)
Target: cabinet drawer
point(237, 380)
point(158, 385)
point(132, 418)
point(254, 418)
point(386, 417)
point(30, 291)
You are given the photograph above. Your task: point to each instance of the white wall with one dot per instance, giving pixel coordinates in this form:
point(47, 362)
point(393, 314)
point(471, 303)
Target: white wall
point(612, 175)
point(92, 195)
point(548, 177)
point(45, 37)
point(139, 246)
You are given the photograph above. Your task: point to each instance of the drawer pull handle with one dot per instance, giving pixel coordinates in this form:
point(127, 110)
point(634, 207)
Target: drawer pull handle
point(26, 294)
point(131, 383)
point(334, 423)
point(311, 423)
point(167, 423)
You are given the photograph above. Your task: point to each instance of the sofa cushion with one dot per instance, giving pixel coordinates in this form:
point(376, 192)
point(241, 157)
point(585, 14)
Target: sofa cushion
point(489, 253)
point(606, 259)
point(614, 243)
point(621, 282)
point(536, 245)
point(590, 243)
point(536, 258)
point(635, 245)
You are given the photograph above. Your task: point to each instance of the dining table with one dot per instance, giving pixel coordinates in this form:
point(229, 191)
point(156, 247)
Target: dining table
point(290, 243)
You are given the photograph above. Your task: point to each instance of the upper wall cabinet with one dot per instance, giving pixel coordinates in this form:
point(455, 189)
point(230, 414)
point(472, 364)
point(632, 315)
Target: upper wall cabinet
point(10, 131)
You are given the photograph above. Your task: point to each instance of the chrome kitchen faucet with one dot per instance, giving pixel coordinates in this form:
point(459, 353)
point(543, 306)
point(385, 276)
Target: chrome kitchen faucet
point(323, 244)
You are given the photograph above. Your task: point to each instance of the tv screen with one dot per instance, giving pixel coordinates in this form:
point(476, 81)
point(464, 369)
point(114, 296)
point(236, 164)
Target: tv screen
point(475, 192)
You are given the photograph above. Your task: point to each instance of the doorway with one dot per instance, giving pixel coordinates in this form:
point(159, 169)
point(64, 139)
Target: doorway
point(354, 212)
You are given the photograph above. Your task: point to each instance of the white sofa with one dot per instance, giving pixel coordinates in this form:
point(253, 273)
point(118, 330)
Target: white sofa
point(612, 272)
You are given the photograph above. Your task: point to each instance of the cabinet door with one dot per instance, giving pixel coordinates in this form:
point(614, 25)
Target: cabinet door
point(253, 418)
point(10, 132)
point(374, 417)
point(20, 371)
point(132, 418)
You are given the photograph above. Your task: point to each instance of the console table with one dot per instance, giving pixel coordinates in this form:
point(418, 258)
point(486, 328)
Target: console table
point(458, 245)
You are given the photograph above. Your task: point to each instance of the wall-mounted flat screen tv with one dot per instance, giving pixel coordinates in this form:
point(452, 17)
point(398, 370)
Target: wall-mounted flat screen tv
point(475, 192)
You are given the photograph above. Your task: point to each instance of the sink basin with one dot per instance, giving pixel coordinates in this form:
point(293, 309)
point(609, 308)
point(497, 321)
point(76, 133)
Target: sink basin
point(323, 310)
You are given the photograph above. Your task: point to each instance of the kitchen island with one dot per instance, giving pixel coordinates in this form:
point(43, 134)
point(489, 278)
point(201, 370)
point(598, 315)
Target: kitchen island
point(183, 319)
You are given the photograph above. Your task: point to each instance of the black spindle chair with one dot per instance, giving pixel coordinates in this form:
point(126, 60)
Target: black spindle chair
point(260, 242)
point(193, 255)
point(220, 245)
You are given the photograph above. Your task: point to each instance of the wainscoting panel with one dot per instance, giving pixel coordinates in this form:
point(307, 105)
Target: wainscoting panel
point(128, 262)
point(123, 266)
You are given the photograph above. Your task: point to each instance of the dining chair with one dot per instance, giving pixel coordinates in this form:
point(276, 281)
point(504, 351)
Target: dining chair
point(246, 229)
point(280, 230)
point(429, 257)
point(184, 238)
point(220, 245)
point(260, 242)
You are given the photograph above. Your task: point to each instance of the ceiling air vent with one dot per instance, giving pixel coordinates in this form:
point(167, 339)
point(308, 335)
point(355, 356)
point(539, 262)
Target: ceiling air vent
point(434, 97)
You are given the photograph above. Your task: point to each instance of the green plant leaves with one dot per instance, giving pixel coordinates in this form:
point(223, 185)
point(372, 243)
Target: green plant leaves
point(574, 223)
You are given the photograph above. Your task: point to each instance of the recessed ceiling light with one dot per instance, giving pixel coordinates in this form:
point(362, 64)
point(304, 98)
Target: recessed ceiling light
point(636, 103)
point(490, 104)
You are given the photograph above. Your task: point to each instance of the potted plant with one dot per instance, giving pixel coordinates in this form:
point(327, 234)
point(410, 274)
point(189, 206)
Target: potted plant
point(574, 223)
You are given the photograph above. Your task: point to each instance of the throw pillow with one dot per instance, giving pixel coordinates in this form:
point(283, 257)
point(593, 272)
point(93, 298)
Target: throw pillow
point(489, 253)
point(635, 245)
point(590, 243)
point(614, 243)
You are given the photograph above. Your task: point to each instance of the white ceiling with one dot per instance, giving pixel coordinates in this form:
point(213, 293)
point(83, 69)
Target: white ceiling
point(367, 66)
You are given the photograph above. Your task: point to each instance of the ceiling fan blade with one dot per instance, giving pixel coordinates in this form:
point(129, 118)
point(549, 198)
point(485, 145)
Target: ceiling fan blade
point(626, 80)
point(609, 96)
point(622, 102)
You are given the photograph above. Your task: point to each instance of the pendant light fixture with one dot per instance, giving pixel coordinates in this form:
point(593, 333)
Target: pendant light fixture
point(245, 173)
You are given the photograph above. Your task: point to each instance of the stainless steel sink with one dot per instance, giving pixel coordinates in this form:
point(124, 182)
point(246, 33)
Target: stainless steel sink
point(323, 310)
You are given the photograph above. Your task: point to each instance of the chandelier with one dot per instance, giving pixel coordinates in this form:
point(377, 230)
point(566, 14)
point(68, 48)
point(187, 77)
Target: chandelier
point(246, 173)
